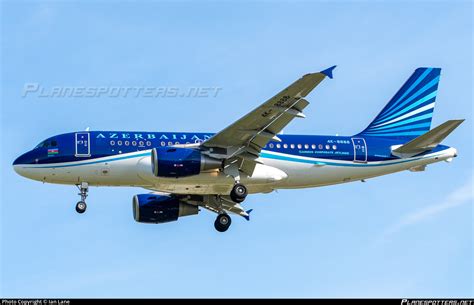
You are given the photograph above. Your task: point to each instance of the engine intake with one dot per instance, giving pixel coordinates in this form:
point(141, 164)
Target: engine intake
point(150, 208)
point(180, 162)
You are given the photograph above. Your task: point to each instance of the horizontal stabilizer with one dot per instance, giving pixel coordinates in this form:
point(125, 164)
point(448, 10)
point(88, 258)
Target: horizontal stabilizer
point(427, 141)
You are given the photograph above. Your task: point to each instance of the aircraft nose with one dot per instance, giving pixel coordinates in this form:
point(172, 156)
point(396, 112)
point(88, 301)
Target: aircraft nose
point(25, 158)
point(30, 157)
point(17, 169)
point(17, 161)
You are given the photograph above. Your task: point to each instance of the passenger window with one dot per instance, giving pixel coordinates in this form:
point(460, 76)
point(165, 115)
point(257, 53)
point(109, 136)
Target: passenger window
point(292, 146)
point(278, 146)
point(299, 146)
point(285, 145)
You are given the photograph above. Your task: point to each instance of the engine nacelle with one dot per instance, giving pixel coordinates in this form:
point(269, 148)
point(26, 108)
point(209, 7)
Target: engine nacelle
point(151, 208)
point(175, 162)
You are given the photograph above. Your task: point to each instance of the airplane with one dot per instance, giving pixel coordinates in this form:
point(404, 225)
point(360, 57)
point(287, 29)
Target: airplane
point(186, 171)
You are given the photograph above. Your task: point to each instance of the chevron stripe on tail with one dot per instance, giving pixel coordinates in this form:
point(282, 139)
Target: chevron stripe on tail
point(408, 114)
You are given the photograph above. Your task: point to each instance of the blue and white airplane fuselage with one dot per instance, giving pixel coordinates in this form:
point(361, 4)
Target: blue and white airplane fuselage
point(186, 170)
point(123, 158)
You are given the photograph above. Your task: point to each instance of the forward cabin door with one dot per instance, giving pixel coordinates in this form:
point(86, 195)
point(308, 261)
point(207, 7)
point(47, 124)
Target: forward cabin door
point(83, 148)
point(360, 150)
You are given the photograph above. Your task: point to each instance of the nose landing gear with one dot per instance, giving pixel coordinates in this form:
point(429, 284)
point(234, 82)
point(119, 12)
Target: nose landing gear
point(81, 206)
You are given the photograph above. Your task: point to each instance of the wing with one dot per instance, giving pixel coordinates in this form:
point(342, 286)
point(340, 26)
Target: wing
point(210, 202)
point(242, 141)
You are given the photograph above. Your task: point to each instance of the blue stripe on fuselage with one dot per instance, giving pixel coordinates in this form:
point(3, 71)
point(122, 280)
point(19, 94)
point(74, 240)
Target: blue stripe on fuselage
point(114, 146)
point(265, 155)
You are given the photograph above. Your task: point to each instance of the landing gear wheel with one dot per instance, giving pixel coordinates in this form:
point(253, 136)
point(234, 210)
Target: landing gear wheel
point(222, 222)
point(81, 207)
point(238, 193)
point(83, 189)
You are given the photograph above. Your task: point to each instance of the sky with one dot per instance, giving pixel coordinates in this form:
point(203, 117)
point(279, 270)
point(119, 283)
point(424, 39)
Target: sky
point(402, 235)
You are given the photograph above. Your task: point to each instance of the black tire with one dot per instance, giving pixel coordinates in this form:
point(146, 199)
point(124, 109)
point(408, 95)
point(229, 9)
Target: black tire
point(81, 207)
point(222, 222)
point(238, 193)
point(236, 199)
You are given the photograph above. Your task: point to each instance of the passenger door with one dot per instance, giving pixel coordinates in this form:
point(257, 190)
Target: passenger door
point(83, 148)
point(360, 150)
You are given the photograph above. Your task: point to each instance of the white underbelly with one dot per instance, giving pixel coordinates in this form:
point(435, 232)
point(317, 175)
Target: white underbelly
point(299, 172)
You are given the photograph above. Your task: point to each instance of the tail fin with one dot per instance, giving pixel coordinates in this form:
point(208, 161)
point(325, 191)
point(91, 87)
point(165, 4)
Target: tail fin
point(408, 114)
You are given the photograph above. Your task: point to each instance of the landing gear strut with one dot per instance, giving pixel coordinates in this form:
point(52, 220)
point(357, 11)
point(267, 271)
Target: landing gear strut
point(238, 193)
point(81, 206)
point(222, 222)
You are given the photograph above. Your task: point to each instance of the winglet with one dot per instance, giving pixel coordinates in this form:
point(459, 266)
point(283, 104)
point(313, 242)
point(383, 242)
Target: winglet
point(328, 71)
point(248, 214)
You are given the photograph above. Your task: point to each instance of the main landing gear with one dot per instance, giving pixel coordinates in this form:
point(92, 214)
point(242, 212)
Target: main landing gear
point(81, 206)
point(238, 193)
point(222, 222)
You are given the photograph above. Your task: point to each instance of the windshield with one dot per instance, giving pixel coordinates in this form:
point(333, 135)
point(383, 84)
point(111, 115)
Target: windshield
point(48, 143)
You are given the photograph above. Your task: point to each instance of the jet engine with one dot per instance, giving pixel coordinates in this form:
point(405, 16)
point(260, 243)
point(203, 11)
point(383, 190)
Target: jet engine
point(152, 208)
point(177, 162)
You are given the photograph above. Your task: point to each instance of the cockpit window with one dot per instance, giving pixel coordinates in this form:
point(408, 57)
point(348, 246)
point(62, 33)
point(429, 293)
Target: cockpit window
point(47, 143)
point(42, 144)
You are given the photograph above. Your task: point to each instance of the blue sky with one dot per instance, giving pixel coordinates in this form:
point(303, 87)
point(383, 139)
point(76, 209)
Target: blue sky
point(407, 234)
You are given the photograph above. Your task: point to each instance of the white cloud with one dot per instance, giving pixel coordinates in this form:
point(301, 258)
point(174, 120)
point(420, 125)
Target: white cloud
point(459, 196)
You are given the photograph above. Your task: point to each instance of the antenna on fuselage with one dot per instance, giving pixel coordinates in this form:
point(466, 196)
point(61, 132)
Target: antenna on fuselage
point(88, 128)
